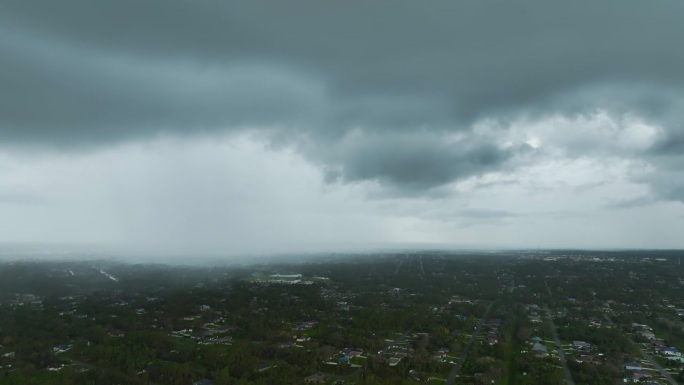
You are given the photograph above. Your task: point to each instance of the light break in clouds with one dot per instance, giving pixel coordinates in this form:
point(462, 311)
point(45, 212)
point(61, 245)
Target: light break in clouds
point(239, 127)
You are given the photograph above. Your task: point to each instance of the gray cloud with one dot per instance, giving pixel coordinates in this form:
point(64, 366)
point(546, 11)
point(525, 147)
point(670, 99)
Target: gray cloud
point(671, 144)
point(21, 199)
point(470, 217)
point(632, 203)
point(668, 184)
point(412, 162)
point(406, 76)
point(486, 214)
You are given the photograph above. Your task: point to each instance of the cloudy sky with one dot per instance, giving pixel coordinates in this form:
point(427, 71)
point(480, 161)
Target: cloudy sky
point(229, 127)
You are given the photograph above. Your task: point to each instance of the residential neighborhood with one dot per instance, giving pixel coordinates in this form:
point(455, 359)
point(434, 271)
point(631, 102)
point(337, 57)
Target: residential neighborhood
point(407, 318)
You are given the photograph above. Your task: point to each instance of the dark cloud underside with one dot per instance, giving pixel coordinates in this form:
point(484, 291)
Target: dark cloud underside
point(312, 73)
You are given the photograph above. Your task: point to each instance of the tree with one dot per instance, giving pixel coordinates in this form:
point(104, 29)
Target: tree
point(523, 334)
point(223, 377)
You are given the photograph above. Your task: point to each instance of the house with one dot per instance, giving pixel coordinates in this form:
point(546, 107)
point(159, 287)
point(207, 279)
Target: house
point(646, 334)
point(440, 354)
point(671, 351)
point(351, 353)
point(632, 366)
point(640, 375)
point(539, 350)
point(415, 375)
point(595, 322)
point(637, 327)
point(585, 358)
point(581, 345)
point(61, 348)
point(305, 325)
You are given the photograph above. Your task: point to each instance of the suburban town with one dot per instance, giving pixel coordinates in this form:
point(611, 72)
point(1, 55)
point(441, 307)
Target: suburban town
point(533, 317)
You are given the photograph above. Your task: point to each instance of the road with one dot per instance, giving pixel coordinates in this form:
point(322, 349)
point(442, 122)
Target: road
point(478, 329)
point(398, 266)
point(648, 357)
point(111, 372)
point(657, 366)
point(561, 354)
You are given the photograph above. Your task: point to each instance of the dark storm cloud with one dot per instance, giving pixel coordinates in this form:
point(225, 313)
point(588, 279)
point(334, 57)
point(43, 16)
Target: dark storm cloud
point(672, 143)
point(312, 73)
point(667, 155)
point(413, 162)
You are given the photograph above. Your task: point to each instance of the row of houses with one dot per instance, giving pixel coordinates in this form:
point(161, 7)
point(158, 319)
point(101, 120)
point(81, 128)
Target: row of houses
point(492, 336)
point(637, 374)
point(658, 345)
point(533, 313)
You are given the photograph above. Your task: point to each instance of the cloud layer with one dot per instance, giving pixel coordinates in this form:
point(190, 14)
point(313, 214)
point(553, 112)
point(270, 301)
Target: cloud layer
point(411, 101)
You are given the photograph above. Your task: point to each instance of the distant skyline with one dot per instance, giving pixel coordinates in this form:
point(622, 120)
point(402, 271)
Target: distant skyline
point(255, 127)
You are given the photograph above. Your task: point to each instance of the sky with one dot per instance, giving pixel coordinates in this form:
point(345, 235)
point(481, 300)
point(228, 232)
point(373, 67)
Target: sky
point(251, 127)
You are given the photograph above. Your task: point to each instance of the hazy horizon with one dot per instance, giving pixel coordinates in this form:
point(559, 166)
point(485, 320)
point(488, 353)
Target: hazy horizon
point(9, 252)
